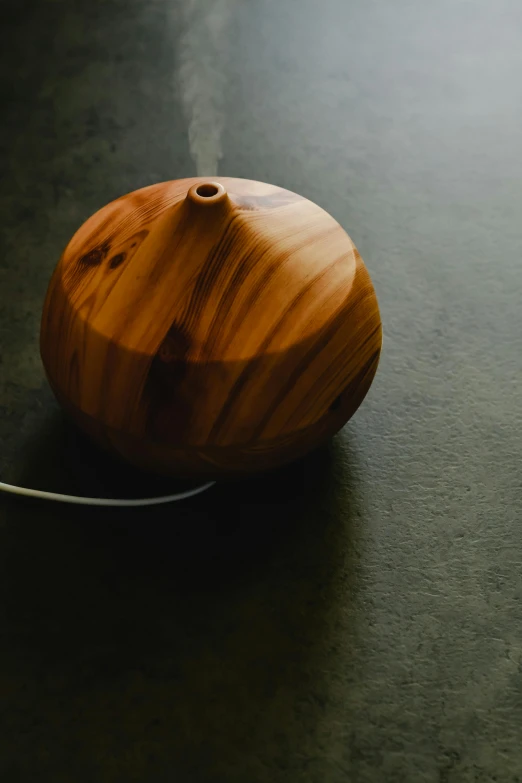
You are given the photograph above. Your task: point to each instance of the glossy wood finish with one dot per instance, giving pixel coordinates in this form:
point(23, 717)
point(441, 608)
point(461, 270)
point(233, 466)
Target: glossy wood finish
point(211, 326)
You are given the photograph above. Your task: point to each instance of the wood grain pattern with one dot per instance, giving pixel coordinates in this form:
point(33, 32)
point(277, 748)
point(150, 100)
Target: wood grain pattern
point(208, 327)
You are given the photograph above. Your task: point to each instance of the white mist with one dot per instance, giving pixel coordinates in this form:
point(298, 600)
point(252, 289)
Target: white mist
point(202, 58)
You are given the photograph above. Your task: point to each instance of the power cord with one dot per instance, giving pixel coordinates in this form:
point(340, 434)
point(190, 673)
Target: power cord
point(56, 496)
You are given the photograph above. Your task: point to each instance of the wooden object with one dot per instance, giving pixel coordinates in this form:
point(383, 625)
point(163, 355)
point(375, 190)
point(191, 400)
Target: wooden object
point(210, 327)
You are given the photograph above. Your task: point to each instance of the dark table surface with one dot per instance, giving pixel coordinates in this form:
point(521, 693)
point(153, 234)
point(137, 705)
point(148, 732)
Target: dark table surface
point(354, 617)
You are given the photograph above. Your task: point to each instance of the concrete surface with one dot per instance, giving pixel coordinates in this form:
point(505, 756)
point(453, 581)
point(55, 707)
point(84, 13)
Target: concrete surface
point(357, 617)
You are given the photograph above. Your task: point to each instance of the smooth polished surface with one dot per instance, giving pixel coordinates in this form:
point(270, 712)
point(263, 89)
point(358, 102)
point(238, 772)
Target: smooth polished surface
point(359, 616)
point(210, 327)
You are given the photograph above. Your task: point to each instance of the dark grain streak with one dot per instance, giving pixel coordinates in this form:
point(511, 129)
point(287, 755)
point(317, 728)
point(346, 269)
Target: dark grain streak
point(211, 270)
point(243, 379)
point(116, 260)
point(95, 256)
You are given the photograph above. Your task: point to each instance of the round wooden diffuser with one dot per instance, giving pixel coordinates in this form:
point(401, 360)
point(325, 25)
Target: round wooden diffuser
point(210, 327)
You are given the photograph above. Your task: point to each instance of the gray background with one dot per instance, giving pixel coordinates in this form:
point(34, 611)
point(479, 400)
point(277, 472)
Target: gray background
point(354, 617)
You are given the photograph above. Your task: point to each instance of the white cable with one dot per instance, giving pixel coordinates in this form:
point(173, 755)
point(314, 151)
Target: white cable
point(37, 493)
